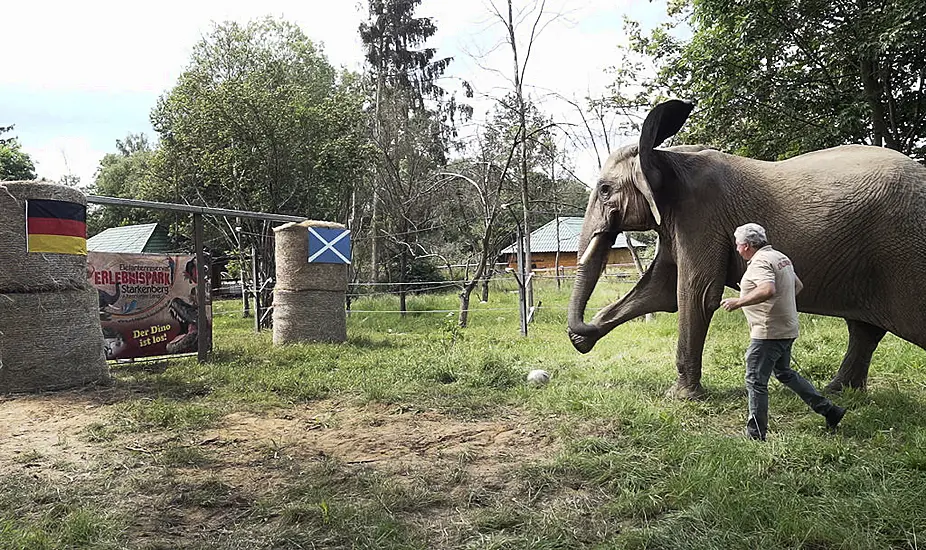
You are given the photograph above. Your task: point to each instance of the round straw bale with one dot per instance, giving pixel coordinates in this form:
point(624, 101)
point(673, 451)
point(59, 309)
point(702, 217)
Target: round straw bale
point(50, 341)
point(293, 270)
point(308, 316)
point(35, 271)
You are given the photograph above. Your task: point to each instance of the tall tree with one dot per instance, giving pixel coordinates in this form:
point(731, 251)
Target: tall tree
point(411, 125)
point(781, 77)
point(260, 120)
point(15, 164)
point(473, 213)
point(536, 17)
point(472, 216)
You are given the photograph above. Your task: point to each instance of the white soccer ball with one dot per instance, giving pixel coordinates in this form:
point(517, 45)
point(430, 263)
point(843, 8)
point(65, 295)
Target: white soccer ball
point(538, 377)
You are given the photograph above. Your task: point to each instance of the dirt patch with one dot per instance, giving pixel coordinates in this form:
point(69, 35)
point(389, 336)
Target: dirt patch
point(393, 440)
point(248, 457)
point(47, 430)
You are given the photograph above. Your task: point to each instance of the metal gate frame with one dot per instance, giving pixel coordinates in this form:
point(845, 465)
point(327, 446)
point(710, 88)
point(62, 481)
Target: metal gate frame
point(204, 338)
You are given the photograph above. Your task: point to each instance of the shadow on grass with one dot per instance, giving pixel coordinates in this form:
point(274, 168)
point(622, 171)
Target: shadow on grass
point(366, 342)
point(725, 394)
point(876, 412)
point(149, 367)
point(118, 390)
point(223, 355)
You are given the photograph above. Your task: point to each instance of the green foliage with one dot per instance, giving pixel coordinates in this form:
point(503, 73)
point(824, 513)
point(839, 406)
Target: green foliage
point(390, 37)
point(422, 270)
point(777, 79)
point(260, 121)
point(503, 130)
point(412, 124)
point(127, 174)
point(471, 214)
point(15, 164)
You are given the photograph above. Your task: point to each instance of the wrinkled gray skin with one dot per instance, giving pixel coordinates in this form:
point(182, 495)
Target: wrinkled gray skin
point(851, 218)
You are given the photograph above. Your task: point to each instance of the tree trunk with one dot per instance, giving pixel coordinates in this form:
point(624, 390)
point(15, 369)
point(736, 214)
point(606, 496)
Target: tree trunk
point(464, 302)
point(403, 301)
point(378, 173)
point(402, 286)
point(874, 92)
point(525, 191)
point(477, 275)
point(559, 282)
point(243, 273)
point(633, 254)
point(374, 243)
point(637, 264)
point(245, 295)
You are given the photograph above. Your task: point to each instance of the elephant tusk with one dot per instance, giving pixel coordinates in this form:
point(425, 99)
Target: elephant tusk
point(589, 250)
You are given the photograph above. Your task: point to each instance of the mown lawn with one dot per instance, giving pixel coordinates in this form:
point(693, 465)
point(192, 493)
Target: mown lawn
point(623, 466)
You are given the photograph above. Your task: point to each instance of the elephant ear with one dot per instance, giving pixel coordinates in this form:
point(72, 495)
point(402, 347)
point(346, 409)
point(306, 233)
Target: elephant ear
point(663, 122)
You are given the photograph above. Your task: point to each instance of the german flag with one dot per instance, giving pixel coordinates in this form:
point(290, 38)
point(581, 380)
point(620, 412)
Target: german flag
point(58, 227)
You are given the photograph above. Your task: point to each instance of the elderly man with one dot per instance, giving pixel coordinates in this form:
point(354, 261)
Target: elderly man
point(767, 297)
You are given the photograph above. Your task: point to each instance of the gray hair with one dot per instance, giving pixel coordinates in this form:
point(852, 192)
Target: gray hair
point(752, 234)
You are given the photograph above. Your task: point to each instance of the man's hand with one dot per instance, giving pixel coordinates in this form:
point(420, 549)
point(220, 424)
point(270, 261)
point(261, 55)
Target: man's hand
point(730, 304)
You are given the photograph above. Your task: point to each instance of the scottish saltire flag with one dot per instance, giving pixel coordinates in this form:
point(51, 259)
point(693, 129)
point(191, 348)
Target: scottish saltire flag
point(329, 246)
point(58, 227)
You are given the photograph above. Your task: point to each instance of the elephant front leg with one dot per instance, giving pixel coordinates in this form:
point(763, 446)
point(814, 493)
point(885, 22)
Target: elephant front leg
point(654, 292)
point(696, 308)
point(853, 372)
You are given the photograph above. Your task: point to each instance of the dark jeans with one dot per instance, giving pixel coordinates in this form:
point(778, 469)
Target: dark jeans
point(763, 358)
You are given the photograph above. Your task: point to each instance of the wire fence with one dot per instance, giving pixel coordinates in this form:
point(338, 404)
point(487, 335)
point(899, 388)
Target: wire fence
point(360, 293)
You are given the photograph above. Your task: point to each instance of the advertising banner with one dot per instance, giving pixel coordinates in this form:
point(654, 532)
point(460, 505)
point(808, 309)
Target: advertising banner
point(148, 303)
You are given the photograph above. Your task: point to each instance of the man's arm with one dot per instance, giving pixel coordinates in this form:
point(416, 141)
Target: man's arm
point(757, 295)
point(798, 285)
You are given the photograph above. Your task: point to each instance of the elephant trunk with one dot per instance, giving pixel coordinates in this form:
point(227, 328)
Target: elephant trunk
point(583, 335)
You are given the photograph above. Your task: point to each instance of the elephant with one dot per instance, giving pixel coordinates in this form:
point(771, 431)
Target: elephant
point(851, 218)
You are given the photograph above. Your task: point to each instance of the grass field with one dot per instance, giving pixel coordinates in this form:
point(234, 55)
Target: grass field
point(417, 434)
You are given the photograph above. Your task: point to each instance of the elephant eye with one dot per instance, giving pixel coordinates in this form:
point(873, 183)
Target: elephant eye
point(604, 189)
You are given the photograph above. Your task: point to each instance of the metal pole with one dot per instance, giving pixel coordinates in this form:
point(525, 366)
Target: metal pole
point(519, 274)
point(559, 280)
point(522, 291)
point(255, 285)
point(242, 273)
point(118, 201)
point(204, 329)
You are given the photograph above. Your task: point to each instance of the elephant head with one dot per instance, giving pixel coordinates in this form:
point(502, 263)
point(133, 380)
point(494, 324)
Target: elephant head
point(625, 198)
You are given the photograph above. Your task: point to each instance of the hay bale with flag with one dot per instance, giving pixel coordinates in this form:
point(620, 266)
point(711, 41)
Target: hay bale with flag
point(43, 237)
point(312, 259)
point(50, 335)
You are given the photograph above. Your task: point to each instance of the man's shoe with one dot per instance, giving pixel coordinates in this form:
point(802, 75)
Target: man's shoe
point(834, 416)
point(753, 431)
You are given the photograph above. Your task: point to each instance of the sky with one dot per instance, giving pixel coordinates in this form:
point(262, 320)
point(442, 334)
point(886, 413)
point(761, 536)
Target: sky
point(88, 73)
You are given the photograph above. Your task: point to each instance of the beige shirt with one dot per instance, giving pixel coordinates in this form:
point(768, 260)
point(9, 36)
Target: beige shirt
point(775, 318)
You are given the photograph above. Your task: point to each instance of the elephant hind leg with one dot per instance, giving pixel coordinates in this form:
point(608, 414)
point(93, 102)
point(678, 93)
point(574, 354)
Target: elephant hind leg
point(863, 340)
